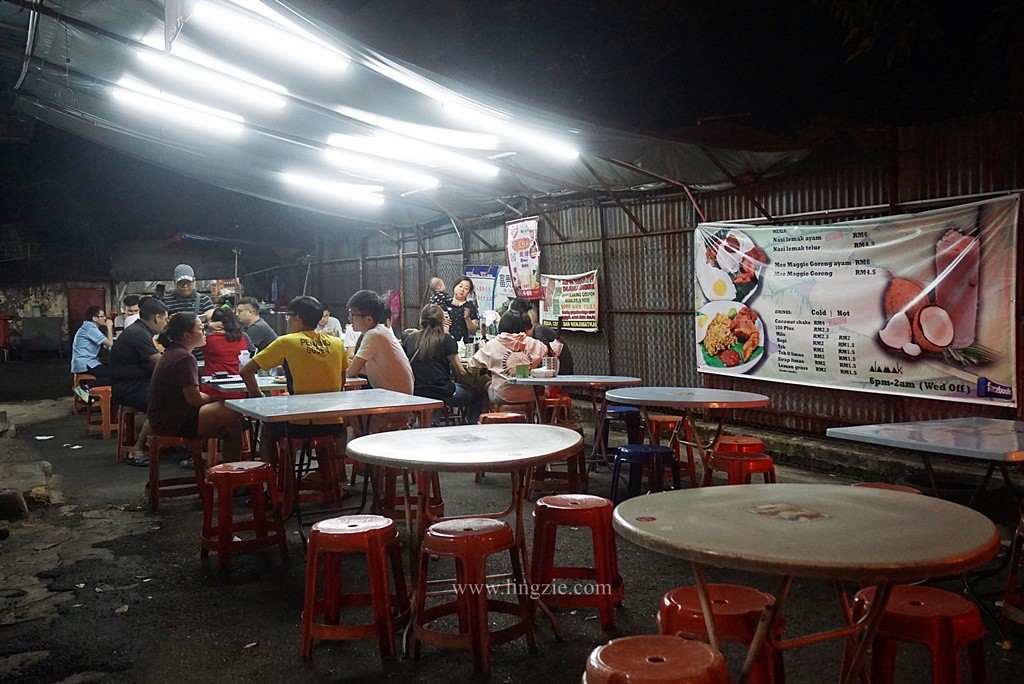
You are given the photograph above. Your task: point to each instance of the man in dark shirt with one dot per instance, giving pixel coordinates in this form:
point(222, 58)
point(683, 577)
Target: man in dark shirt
point(132, 359)
point(184, 297)
point(258, 330)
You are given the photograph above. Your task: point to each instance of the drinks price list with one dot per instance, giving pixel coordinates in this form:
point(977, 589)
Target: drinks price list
point(917, 304)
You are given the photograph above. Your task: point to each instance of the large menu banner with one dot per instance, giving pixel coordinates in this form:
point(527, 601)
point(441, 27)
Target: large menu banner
point(523, 253)
point(573, 298)
point(919, 305)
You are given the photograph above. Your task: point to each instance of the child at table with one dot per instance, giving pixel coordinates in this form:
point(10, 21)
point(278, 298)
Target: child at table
point(500, 355)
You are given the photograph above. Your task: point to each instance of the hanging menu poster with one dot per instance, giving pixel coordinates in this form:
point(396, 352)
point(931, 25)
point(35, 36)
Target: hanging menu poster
point(573, 298)
point(919, 305)
point(523, 253)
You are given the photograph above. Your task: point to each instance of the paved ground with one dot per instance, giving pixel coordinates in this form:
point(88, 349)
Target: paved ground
point(98, 589)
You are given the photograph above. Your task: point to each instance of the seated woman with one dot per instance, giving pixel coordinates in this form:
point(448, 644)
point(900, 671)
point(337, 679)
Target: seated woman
point(434, 357)
point(551, 337)
point(176, 406)
point(224, 342)
point(500, 355)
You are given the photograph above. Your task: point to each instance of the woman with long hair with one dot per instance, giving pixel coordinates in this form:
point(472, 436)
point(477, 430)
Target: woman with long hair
point(465, 317)
point(225, 342)
point(436, 367)
point(176, 407)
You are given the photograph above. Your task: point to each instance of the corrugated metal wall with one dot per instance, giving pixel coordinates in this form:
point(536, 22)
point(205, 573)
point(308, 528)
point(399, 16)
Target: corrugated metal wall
point(642, 249)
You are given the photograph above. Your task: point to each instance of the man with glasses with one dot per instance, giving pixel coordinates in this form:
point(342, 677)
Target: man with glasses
point(258, 330)
point(379, 355)
point(85, 349)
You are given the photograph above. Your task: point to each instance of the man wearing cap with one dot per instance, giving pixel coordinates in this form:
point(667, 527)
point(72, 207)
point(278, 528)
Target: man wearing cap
point(185, 298)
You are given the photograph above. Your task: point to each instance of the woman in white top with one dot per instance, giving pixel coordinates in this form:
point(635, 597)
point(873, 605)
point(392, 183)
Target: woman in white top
point(500, 355)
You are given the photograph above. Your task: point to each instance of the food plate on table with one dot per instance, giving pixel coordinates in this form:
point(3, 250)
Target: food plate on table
point(730, 337)
point(279, 380)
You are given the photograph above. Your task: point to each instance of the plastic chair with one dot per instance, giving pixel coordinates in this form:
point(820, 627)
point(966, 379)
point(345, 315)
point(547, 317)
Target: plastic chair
point(736, 611)
point(376, 538)
point(221, 482)
point(655, 459)
point(577, 510)
point(739, 467)
point(157, 488)
point(470, 541)
point(942, 621)
point(655, 659)
point(101, 403)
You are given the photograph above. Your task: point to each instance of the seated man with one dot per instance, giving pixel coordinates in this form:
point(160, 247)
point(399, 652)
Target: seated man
point(258, 330)
point(176, 406)
point(329, 324)
point(85, 350)
point(380, 356)
point(132, 359)
point(128, 315)
point(314, 362)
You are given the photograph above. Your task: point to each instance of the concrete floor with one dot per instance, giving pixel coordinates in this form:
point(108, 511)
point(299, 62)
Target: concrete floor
point(98, 589)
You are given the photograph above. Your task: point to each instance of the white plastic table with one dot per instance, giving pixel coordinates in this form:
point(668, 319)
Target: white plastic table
point(831, 532)
point(689, 400)
point(267, 383)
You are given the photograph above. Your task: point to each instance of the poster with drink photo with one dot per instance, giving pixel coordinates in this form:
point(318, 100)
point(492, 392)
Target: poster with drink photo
point(917, 304)
point(523, 253)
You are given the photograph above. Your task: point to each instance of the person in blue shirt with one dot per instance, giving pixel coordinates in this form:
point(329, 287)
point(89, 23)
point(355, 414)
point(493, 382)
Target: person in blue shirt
point(85, 350)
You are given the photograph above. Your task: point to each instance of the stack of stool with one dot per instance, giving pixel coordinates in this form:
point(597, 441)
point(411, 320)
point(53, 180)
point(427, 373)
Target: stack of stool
point(655, 659)
point(577, 510)
point(501, 416)
point(470, 541)
point(736, 611)
point(659, 425)
point(630, 415)
point(101, 403)
point(639, 457)
point(157, 488)
point(125, 431)
point(221, 482)
point(376, 538)
point(942, 621)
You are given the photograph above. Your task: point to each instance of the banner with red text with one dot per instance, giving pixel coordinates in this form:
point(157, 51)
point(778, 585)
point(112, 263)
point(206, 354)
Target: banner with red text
point(573, 298)
point(920, 305)
point(523, 253)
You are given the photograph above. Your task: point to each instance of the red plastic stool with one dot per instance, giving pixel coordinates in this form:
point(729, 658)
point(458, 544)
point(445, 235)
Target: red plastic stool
point(736, 611)
point(222, 480)
point(660, 425)
point(572, 480)
point(1013, 601)
point(888, 486)
point(577, 510)
point(942, 621)
point(555, 409)
point(655, 659)
point(528, 410)
point(740, 444)
point(322, 485)
point(157, 488)
point(376, 538)
point(501, 417)
point(738, 467)
point(389, 498)
point(100, 401)
point(78, 379)
point(125, 431)
point(469, 541)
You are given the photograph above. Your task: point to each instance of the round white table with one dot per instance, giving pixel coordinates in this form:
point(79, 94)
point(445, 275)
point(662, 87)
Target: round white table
point(830, 532)
point(689, 400)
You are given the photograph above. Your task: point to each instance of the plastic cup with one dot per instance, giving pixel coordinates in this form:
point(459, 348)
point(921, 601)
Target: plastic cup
point(523, 370)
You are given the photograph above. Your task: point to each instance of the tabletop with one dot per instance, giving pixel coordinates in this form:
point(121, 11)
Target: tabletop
point(595, 381)
point(686, 397)
point(812, 530)
point(234, 383)
point(467, 448)
point(330, 404)
point(988, 439)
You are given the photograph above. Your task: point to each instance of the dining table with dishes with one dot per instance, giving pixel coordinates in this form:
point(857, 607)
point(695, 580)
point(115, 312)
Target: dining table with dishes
point(821, 531)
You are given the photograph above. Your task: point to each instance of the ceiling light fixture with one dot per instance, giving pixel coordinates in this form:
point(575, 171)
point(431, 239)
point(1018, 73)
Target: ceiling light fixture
point(367, 194)
point(283, 42)
point(502, 125)
point(214, 80)
point(392, 146)
point(433, 134)
point(176, 109)
point(361, 165)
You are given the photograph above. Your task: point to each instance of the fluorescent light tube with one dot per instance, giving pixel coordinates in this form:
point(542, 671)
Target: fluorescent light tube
point(360, 164)
point(368, 194)
point(214, 80)
point(176, 109)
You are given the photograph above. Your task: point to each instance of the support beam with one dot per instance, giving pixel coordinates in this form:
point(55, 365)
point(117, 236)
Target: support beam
point(664, 179)
point(604, 184)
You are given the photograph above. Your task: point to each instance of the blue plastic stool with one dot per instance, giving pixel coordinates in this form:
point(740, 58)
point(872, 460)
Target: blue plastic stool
point(630, 415)
point(639, 456)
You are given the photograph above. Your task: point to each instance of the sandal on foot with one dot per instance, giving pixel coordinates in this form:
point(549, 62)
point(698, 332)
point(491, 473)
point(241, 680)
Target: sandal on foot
point(140, 460)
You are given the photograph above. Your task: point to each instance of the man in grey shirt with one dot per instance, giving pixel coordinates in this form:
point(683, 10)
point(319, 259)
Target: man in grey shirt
point(258, 330)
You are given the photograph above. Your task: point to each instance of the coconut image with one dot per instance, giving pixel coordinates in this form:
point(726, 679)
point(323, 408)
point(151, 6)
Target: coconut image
point(932, 329)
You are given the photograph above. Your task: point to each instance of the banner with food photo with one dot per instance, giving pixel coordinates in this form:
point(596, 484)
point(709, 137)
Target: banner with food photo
point(918, 304)
point(523, 253)
point(573, 298)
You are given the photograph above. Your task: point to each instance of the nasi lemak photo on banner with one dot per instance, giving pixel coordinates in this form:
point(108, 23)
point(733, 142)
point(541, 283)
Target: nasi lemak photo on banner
point(918, 304)
point(523, 253)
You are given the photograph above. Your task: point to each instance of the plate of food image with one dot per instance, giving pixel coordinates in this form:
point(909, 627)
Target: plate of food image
point(731, 268)
point(730, 337)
